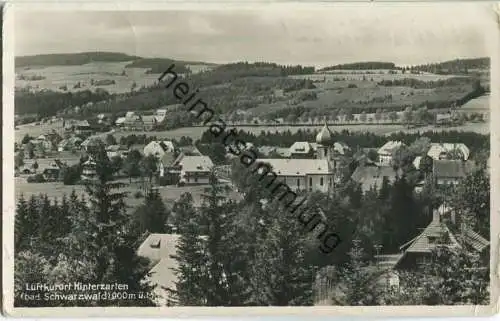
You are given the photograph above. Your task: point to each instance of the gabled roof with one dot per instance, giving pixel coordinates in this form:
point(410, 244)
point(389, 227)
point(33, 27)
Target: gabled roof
point(301, 148)
point(421, 243)
point(120, 120)
point(389, 147)
point(475, 240)
point(83, 123)
point(370, 176)
point(297, 167)
point(167, 145)
point(196, 164)
point(436, 149)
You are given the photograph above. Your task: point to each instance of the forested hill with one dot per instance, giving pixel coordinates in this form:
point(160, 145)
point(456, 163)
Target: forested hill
point(156, 65)
point(72, 59)
point(361, 66)
point(455, 66)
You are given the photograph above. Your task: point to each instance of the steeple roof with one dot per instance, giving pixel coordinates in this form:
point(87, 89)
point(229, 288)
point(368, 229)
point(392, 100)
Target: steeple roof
point(324, 137)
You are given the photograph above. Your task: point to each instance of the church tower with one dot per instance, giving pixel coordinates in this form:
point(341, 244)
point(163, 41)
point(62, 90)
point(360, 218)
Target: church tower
point(324, 141)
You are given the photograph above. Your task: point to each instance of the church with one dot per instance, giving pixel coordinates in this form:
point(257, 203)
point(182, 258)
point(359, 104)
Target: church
point(316, 170)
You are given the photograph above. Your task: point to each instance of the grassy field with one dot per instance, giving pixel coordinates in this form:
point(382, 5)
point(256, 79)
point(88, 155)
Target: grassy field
point(37, 130)
point(57, 76)
point(479, 103)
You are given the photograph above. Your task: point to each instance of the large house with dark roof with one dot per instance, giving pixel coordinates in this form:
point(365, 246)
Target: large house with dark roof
point(450, 172)
point(371, 176)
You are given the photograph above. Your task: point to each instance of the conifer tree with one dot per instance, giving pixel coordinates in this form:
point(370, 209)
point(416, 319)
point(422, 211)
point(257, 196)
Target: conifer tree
point(152, 215)
point(113, 253)
point(280, 275)
point(21, 225)
point(192, 277)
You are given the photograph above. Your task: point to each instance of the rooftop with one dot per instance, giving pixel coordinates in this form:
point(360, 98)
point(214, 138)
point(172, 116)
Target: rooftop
point(196, 164)
point(371, 176)
point(451, 168)
point(297, 167)
point(389, 147)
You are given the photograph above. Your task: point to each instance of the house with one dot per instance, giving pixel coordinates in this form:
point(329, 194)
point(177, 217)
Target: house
point(159, 249)
point(104, 119)
point(301, 150)
point(444, 119)
point(90, 143)
point(439, 151)
point(302, 174)
point(89, 170)
point(385, 152)
point(71, 143)
point(42, 143)
point(418, 251)
point(194, 169)
point(115, 151)
point(149, 122)
point(159, 148)
point(82, 128)
point(131, 121)
point(450, 172)
point(372, 176)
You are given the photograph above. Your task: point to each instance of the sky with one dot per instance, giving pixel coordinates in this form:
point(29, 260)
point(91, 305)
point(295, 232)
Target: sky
point(310, 34)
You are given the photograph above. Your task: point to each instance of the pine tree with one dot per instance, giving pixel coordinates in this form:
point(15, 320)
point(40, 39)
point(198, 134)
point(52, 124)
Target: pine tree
point(280, 275)
point(358, 281)
point(152, 215)
point(21, 225)
point(192, 277)
point(113, 253)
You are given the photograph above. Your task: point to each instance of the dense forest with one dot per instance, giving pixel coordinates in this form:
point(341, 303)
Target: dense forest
point(457, 66)
point(72, 59)
point(421, 84)
point(49, 103)
point(158, 65)
point(361, 66)
point(355, 140)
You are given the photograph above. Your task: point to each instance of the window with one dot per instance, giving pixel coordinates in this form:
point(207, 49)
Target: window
point(321, 181)
point(310, 182)
point(432, 239)
point(298, 182)
point(326, 152)
point(196, 179)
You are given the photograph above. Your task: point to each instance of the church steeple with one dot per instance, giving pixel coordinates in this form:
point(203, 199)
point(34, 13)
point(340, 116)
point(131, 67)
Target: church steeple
point(324, 136)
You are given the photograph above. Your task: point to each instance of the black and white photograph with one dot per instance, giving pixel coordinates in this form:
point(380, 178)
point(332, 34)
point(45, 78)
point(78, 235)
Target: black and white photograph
point(318, 155)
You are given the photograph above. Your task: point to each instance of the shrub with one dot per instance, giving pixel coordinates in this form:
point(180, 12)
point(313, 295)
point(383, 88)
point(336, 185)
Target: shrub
point(38, 178)
point(352, 86)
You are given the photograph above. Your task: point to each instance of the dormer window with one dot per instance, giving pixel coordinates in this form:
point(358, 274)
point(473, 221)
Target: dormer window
point(199, 167)
point(432, 239)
